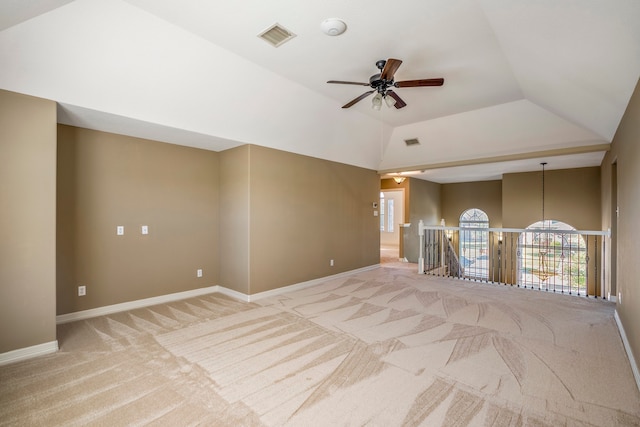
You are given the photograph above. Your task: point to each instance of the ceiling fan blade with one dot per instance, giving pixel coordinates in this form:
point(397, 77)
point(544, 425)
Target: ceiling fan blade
point(399, 102)
point(420, 83)
point(358, 99)
point(390, 68)
point(348, 83)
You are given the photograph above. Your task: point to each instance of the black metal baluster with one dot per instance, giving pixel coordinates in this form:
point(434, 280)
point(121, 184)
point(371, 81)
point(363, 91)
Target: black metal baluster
point(586, 271)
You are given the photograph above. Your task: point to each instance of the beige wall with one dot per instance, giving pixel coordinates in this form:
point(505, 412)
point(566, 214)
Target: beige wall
point(254, 219)
point(106, 180)
point(303, 213)
point(424, 204)
point(484, 195)
point(609, 186)
point(27, 221)
point(625, 151)
point(571, 196)
point(234, 219)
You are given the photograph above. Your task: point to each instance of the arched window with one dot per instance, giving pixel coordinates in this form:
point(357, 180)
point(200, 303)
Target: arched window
point(474, 244)
point(551, 257)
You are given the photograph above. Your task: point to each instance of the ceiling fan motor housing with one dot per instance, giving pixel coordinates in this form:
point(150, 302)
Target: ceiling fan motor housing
point(377, 83)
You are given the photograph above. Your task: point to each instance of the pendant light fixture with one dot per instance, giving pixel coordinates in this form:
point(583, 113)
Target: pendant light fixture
point(543, 243)
point(543, 165)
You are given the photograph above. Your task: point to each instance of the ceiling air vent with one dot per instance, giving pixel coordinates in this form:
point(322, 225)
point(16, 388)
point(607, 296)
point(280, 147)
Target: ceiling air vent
point(412, 141)
point(276, 35)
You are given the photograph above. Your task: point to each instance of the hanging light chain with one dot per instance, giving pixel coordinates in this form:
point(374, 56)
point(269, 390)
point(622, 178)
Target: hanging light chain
point(543, 164)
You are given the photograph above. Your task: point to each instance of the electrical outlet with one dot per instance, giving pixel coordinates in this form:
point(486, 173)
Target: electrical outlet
point(120, 230)
point(331, 262)
point(199, 272)
point(82, 290)
point(144, 229)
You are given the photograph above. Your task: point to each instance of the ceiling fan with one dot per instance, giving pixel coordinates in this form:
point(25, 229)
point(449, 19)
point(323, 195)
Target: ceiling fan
point(383, 81)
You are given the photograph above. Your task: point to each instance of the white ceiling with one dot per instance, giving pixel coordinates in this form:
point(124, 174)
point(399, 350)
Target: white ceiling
point(526, 81)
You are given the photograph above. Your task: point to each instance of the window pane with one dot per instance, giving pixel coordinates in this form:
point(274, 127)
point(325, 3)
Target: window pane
point(549, 258)
point(390, 217)
point(474, 244)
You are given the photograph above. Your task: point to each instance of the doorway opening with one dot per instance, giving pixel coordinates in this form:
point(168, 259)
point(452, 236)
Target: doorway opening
point(391, 216)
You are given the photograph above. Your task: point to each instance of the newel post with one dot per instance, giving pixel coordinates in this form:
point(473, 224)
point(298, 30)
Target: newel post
point(421, 249)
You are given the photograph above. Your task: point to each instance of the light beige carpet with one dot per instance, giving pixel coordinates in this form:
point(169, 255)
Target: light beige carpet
point(386, 347)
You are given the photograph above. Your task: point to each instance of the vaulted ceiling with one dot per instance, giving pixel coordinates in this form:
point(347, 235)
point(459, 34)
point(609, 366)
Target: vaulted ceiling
point(526, 81)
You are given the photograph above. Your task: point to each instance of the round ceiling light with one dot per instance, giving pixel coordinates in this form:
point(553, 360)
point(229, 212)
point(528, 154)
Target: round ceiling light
point(333, 26)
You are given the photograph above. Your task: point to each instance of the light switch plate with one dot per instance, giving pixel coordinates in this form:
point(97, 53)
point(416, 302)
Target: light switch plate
point(145, 229)
point(120, 230)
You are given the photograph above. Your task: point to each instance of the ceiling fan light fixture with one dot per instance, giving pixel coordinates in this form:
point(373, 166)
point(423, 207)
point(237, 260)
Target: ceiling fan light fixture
point(376, 102)
point(389, 101)
point(333, 26)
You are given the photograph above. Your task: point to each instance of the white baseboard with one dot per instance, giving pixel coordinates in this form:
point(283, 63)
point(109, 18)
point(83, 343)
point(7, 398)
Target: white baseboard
point(307, 284)
point(627, 348)
point(295, 287)
point(132, 305)
point(28, 352)
point(233, 294)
